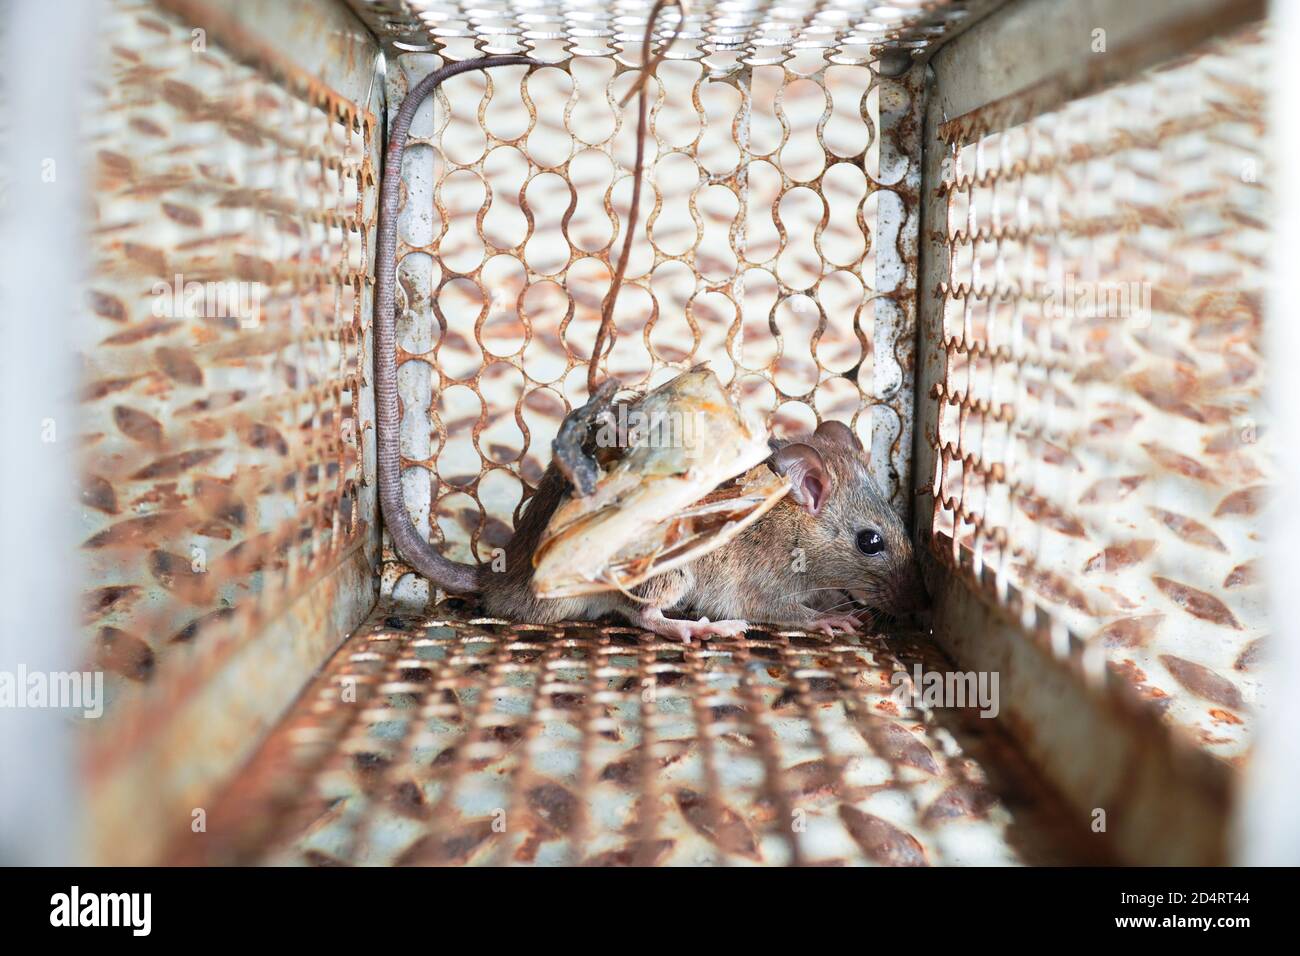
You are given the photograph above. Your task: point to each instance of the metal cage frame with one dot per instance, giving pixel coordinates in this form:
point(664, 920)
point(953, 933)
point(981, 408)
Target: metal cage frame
point(278, 675)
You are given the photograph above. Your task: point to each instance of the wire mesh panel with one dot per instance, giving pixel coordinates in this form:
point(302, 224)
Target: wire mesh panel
point(850, 32)
point(777, 244)
point(447, 741)
point(1102, 444)
point(226, 399)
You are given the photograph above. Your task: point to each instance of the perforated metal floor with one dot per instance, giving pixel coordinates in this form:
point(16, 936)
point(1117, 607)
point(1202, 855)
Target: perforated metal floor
point(452, 741)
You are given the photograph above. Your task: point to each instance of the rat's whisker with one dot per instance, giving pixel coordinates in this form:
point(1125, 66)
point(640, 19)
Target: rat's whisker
point(836, 607)
point(808, 590)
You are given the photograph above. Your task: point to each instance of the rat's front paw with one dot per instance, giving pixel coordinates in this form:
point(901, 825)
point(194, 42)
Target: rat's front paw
point(833, 624)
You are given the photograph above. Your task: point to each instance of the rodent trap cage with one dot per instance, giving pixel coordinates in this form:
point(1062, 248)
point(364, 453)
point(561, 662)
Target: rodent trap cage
point(1020, 248)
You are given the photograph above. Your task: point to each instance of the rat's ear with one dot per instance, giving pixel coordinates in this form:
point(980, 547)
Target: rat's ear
point(839, 433)
point(810, 482)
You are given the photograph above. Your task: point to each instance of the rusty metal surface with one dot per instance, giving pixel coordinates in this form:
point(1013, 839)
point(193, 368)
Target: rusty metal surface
point(229, 530)
point(778, 244)
point(757, 33)
point(899, 117)
point(454, 740)
point(1110, 459)
point(1092, 479)
point(1157, 796)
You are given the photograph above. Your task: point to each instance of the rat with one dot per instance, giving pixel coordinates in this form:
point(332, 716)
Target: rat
point(833, 541)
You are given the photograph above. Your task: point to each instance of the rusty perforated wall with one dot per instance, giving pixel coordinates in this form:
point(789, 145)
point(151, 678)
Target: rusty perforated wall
point(777, 243)
point(753, 33)
point(229, 530)
point(1102, 444)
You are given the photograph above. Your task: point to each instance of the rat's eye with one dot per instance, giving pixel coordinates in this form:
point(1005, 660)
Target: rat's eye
point(870, 541)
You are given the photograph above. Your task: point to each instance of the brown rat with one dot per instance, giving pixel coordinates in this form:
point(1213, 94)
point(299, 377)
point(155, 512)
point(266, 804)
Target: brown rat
point(834, 540)
point(834, 534)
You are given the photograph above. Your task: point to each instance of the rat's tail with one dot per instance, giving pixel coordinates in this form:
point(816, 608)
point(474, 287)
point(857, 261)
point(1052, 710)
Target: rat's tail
point(414, 550)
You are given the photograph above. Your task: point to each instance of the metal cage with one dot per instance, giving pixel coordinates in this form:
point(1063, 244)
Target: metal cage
point(1021, 248)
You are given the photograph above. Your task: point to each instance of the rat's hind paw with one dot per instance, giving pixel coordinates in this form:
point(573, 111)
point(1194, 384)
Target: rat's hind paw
point(833, 624)
point(705, 627)
point(654, 620)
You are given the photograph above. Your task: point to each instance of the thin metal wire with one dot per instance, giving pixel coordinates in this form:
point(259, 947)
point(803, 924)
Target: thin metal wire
point(650, 60)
